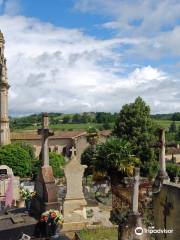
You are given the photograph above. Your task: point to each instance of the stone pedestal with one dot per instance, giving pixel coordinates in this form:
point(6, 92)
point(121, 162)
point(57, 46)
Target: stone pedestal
point(49, 187)
point(47, 192)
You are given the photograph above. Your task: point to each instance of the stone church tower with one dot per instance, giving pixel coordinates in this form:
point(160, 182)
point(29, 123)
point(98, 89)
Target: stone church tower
point(4, 86)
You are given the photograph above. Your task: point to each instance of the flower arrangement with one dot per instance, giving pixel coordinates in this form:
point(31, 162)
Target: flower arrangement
point(26, 194)
point(52, 217)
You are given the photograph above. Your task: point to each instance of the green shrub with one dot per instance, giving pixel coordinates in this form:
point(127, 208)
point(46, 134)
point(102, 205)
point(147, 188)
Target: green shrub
point(17, 158)
point(57, 162)
point(173, 170)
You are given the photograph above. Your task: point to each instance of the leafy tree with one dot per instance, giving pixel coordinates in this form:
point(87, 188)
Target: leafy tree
point(86, 118)
point(28, 147)
point(57, 162)
point(17, 158)
point(66, 119)
point(103, 117)
point(173, 127)
point(76, 118)
point(176, 116)
point(135, 125)
point(178, 134)
point(114, 157)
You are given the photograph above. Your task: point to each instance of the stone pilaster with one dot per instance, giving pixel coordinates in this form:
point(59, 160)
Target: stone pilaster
point(4, 86)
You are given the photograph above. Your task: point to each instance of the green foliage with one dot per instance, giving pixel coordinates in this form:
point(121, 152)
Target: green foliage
point(57, 162)
point(173, 170)
point(87, 159)
point(92, 136)
point(176, 116)
point(136, 126)
point(105, 117)
point(115, 158)
point(178, 134)
point(173, 127)
point(66, 119)
point(17, 158)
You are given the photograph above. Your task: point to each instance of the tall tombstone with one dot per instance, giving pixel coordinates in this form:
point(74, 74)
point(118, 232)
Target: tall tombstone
point(135, 192)
point(45, 185)
point(74, 204)
point(134, 221)
point(162, 156)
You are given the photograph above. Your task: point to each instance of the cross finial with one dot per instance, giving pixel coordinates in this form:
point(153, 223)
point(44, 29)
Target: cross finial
point(73, 152)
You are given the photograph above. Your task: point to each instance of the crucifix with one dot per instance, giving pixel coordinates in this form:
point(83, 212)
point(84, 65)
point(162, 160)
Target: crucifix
point(45, 133)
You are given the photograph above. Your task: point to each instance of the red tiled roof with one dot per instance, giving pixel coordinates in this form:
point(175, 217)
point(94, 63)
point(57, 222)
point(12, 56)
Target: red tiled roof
point(173, 150)
point(31, 135)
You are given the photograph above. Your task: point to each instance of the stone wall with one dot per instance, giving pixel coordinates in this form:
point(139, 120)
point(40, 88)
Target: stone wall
point(166, 205)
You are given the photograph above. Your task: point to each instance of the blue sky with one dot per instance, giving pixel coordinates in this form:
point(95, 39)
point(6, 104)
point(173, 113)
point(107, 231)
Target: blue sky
point(91, 55)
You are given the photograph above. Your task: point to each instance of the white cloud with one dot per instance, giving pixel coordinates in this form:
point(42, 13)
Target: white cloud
point(157, 22)
point(56, 69)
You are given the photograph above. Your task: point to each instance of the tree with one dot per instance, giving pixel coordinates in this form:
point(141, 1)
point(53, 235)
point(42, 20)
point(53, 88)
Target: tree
point(176, 116)
point(57, 162)
point(66, 119)
point(17, 158)
point(76, 118)
point(172, 127)
point(114, 157)
point(178, 134)
point(135, 125)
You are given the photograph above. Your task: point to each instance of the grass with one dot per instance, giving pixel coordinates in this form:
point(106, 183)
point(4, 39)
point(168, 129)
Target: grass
point(65, 127)
point(100, 234)
point(84, 126)
point(166, 123)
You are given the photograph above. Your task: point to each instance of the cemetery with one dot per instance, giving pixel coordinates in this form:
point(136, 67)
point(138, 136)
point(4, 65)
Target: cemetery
point(87, 185)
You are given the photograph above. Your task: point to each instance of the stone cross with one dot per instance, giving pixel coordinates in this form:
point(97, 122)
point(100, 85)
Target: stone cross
point(73, 152)
point(45, 133)
point(162, 154)
point(135, 192)
point(162, 157)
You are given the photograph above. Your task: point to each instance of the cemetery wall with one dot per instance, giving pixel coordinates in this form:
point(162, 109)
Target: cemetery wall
point(166, 205)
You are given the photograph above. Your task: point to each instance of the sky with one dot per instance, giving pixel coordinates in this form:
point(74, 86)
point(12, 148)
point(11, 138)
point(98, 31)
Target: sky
point(91, 55)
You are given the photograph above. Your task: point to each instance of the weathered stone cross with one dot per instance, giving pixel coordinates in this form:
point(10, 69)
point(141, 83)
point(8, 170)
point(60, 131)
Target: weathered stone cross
point(45, 133)
point(135, 192)
point(162, 157)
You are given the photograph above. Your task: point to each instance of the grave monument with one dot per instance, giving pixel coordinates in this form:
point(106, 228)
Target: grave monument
point(75, 203)
point(45, 185)
point(9, 186)
point(134, 220)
